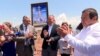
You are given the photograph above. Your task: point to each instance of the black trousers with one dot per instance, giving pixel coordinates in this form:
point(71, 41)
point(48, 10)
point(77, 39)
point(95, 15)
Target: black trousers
point(65, 54)
point(49, 52)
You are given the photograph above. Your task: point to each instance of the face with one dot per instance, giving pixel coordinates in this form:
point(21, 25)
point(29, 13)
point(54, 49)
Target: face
point(51, 19)
point(85, 19)
point(27, 21)
point(6, 29)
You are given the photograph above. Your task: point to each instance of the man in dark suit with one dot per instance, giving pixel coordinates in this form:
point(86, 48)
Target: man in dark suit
point(24, 47)
point(50, 36)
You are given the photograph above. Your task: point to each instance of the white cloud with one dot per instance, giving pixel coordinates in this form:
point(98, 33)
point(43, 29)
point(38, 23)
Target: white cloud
point(74, 21)
point(13, 21)
point(61, 18)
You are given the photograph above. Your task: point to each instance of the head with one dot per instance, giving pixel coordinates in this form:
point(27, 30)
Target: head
point(51, 19)
point(26, 20)
point(89, 17)
point(8, 24)
point(64, 24)
point(7, 28)
point(70, 26)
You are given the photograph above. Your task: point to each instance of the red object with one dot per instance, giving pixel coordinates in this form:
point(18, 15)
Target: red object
point(1, 27)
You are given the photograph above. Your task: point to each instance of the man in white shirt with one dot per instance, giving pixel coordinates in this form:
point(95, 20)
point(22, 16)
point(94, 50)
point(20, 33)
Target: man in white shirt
point(87, 42)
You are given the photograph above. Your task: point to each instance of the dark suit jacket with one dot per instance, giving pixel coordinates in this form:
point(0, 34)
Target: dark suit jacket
point(53, 44)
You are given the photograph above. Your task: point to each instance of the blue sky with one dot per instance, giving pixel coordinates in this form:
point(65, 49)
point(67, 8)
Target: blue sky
point(14, 10)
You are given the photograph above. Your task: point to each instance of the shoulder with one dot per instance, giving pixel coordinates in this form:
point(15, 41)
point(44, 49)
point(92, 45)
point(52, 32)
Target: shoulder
point(96, 28)
point(31, 26)
point(45, 26)
point(55, 25)
point(95, 31)
point(21, 25)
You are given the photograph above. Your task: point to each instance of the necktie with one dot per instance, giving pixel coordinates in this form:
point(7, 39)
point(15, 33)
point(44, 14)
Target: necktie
point(27, 40)
point(25, 27)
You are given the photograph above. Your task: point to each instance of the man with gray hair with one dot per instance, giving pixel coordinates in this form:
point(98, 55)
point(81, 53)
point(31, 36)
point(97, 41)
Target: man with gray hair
point(26, 46)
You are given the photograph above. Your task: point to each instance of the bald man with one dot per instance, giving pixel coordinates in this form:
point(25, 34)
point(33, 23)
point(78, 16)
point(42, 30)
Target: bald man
point(50, 36)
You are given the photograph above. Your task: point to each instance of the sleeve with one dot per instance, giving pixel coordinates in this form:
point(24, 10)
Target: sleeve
point(32, 41)
point(42, 35)
point(34, 33)
point(1, 32)
point(90, 45)
point(56, 37)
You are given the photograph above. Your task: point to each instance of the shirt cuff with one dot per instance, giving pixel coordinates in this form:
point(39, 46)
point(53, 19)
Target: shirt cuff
point(68, 37)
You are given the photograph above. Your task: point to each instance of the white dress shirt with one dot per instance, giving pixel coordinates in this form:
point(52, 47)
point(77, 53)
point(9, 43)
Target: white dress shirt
point(50, 28)
point(29, 29)
point(87, 42)
point(64, 47)
point(26, 31)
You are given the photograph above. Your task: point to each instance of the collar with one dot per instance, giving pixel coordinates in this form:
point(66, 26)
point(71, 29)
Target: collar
point(93, 25)
point(50, 25)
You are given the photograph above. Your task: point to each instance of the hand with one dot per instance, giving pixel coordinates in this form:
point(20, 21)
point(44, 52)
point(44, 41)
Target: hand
point(2, 38)
point(45, 32)
point(58, 31)
point(10, 38)
point(30, 34)
point(49, 40)
point(63, 31)
point(34, 48)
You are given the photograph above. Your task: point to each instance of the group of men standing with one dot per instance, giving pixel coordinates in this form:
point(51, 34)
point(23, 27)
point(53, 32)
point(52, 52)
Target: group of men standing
point(85, 43)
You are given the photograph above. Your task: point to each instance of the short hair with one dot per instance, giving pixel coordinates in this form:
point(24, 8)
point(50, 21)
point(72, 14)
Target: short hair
point(92, 12)
point(8, 24)
point(64, 23)
point(70, 26)
point(79, 27)
point(25, 17)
